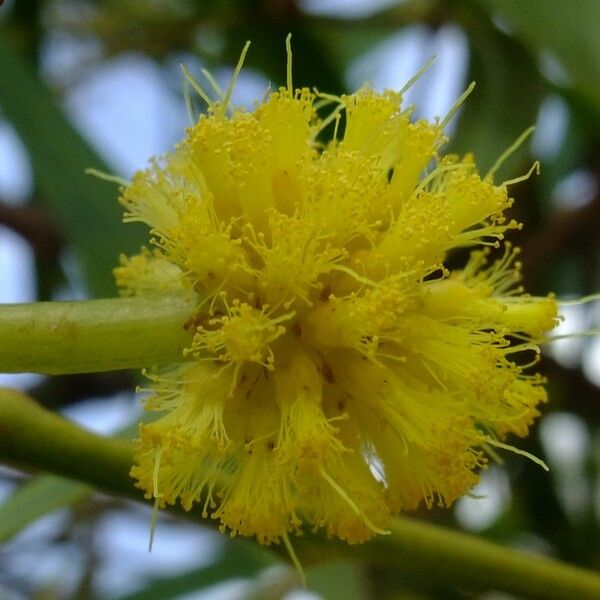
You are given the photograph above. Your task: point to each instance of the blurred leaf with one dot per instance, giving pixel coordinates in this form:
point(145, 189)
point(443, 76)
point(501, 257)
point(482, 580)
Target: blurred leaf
point(44, 494)
point(346, 39)
point(37, 498)
point(242, 558)
point(567, 29)
point(339, 581)
point(85, 208)
point(505, 100)
point(313, 65)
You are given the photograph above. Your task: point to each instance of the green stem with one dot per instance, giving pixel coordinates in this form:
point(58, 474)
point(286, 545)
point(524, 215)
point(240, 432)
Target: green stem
point(438, 555)
point(33, 437)
point(93, 335)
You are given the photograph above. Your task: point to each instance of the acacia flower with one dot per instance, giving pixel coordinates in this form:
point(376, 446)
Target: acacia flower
point(338, 371)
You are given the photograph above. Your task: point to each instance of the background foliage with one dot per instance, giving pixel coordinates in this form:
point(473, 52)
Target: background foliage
point(532, 61)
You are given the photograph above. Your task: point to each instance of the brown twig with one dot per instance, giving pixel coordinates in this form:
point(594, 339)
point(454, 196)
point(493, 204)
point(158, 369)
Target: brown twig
point(34, 225)
point(65, 390)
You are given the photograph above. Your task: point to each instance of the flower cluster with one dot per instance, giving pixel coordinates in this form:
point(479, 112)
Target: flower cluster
point(338, 371)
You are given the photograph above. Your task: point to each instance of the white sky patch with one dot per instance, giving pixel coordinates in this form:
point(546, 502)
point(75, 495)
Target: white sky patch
point(16, 257)
point(15, 170)
point(57, 567)
point(488, 500)
point(346, 9)
point(576, 190)
point(581, 350)
point(32, 556)
point(448, 74)
point(105, 415)
point(551, 127)
point(41, 529)
point(17, 283)
point(122, 542)
point(7, 485)
point(126, 111)
point(591, 354)
point(591, 361)
point(567, 351)
point(250, 88)
point(16, 268)
point(391, 63)
point(566, 441)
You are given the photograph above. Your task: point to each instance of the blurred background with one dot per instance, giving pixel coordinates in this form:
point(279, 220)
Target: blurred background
point(97, 83)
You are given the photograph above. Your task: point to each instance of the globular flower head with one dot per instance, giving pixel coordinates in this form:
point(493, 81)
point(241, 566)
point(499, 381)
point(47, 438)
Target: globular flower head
point(338, 371)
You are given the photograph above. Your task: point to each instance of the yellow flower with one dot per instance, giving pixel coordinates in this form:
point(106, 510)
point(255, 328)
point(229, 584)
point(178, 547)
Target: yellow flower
point(338, 371)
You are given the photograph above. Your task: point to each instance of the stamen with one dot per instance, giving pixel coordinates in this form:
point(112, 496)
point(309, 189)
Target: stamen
point(509, 152)
point(417, 75)
point(234, 77)
point(335, 114)
point(153, 522)
point(336, 126)
point(534, 167)
point(213, 82)
point(107, 177)
point(457, 105)
point(359, 278)
point(294, 557)
point(567, 336)
point(578, 301)
point(189, 106)
point(190, 79)
point(493, 454)
point(436, 173)
point(532, 457)
point(351, 503)
point(155, 493)
point(288, 49)
point(157, 496)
